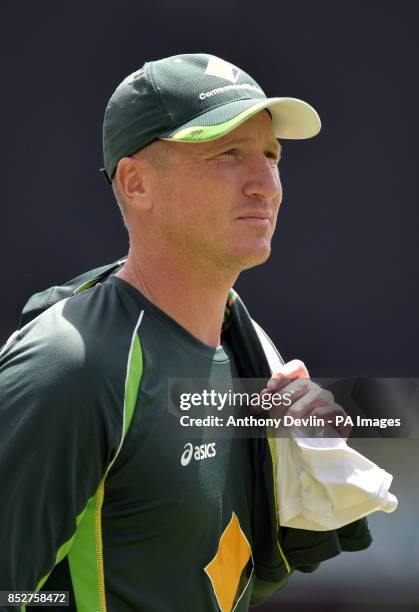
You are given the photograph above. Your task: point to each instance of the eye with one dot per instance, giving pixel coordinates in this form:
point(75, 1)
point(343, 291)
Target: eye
point(228, 155)
point(272, 157)
point(229, 152)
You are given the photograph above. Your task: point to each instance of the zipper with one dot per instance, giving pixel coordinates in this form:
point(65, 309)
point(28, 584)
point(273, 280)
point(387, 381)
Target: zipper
point(99, 547)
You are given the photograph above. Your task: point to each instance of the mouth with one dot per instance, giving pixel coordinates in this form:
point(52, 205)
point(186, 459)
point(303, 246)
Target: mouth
point(256, 217)
point(257, 221)
point(256, 213)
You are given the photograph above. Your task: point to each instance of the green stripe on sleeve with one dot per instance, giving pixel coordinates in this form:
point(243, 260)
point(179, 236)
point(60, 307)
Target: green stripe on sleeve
point(61, 553)
point(83, 560)
point(135, 371)
point(86, 554)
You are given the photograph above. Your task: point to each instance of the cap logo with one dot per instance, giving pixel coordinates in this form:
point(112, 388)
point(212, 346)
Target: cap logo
point(222, 69)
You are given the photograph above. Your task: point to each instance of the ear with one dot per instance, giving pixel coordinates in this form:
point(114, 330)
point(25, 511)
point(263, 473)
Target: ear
point(131, 177)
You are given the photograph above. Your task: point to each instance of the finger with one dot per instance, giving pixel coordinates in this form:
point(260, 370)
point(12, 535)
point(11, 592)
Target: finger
point(308, 389)
point(290, 371)
point(306, 397)
point(277, 408)
point(255, 409)
point(302, 405)
point(286, 396)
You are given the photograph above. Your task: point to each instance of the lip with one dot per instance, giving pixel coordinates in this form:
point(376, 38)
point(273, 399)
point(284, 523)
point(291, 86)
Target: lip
point(255, 220)
point(263, 215)
point(255, 217)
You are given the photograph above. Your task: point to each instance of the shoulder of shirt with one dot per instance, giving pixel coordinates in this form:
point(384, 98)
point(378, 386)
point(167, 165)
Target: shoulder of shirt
point(88, 332)
point(68, 367)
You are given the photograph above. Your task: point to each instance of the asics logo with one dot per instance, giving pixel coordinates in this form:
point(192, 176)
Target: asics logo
point(202, 451)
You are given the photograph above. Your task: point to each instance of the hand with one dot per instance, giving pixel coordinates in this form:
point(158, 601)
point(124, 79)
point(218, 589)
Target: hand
point(307, 398)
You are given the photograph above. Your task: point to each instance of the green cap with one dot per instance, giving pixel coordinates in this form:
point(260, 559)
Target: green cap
point(192, 98)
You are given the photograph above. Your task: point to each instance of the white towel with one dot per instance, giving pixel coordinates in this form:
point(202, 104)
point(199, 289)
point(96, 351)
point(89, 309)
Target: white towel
point(324, 484)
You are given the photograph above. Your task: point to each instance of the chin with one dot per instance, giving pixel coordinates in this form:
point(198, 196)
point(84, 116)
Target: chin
point(254, 257)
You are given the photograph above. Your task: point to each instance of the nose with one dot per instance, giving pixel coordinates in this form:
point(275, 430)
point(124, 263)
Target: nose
point(262, 180)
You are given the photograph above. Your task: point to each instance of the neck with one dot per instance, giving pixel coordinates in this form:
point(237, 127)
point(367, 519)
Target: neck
point(193, 295)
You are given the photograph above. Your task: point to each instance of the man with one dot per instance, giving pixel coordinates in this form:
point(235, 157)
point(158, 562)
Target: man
point(101, 501)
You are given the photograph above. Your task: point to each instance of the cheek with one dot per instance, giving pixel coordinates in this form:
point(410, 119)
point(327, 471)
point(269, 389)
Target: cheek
point(211, 196)
point(278, 199)
point(202, 199)
point(187, 207)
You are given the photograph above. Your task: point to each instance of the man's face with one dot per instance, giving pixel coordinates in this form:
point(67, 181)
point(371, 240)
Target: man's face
point(217, 202)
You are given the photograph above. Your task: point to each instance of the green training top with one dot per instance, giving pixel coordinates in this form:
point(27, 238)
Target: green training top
point(151, 522)
point(160, 528)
